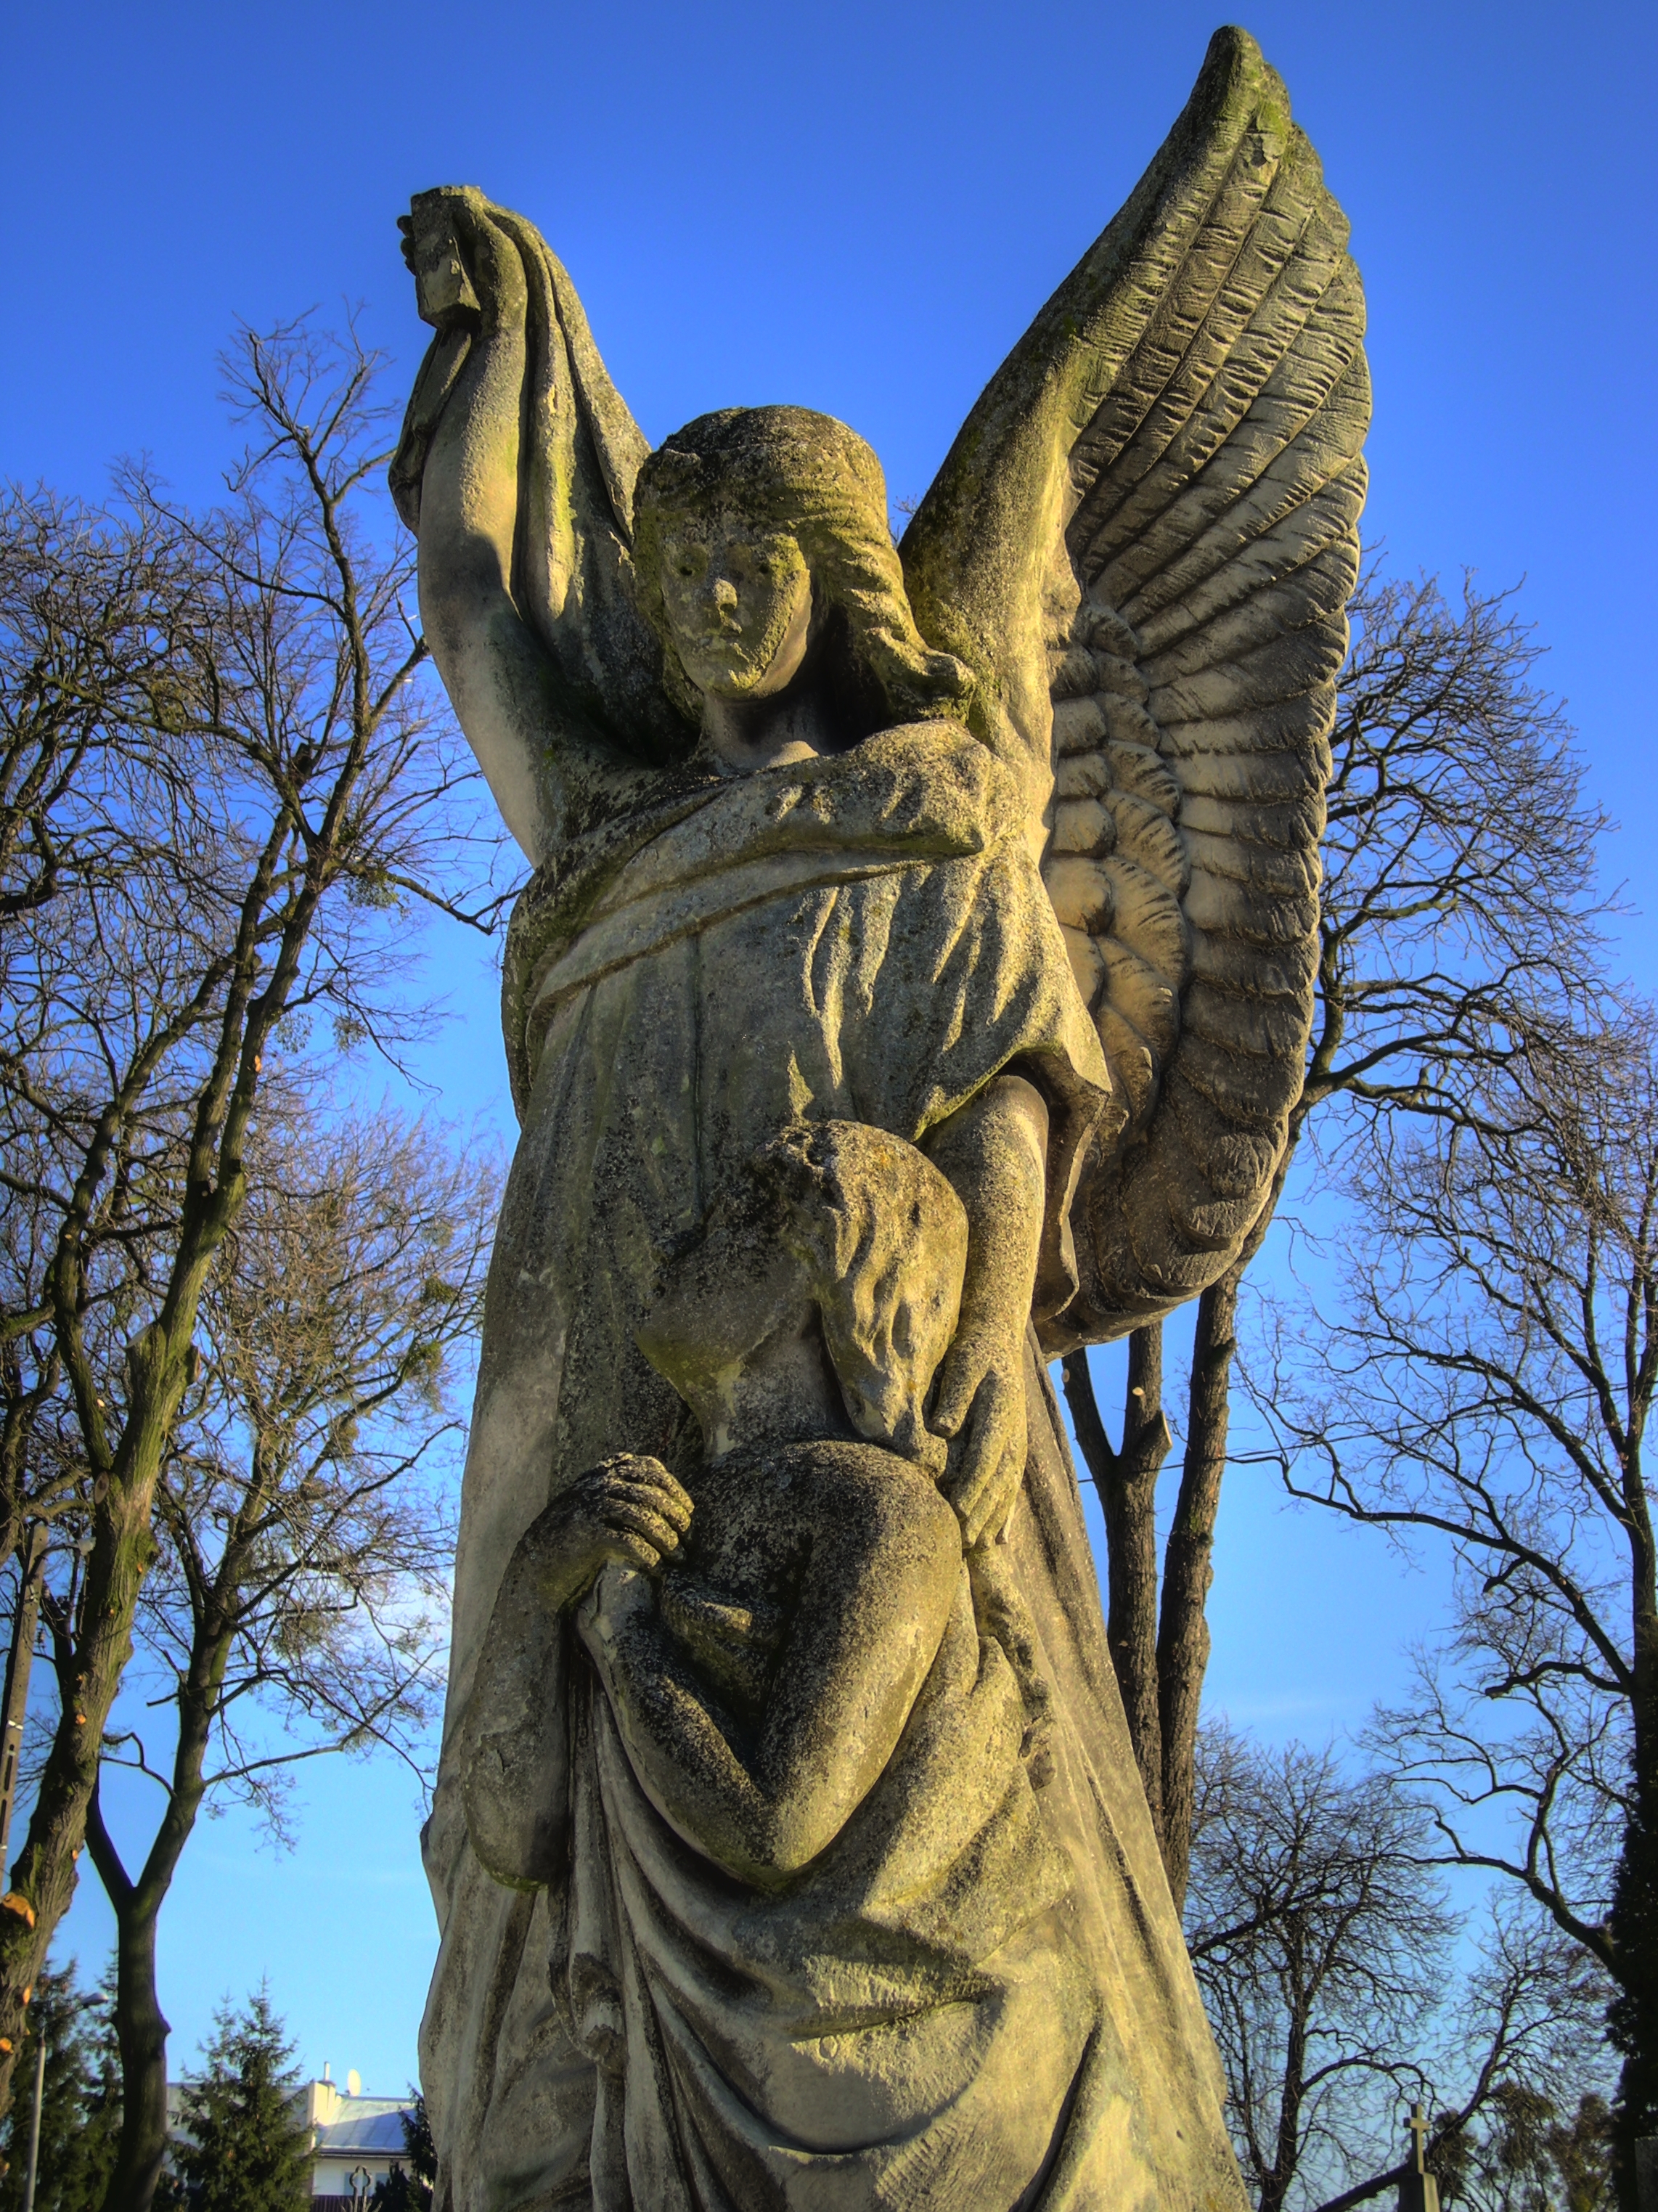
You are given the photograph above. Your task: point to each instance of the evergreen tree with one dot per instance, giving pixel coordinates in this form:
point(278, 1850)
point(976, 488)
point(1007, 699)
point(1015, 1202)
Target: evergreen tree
point(245, 2145)
point(1582, 2149)
point(1632, 2017)
point(1525, 2159)
point(410, 2189)
point(80, 2102)
point(1514, 2161)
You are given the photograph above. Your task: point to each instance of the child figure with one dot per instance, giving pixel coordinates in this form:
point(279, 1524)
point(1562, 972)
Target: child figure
point(763, 1654)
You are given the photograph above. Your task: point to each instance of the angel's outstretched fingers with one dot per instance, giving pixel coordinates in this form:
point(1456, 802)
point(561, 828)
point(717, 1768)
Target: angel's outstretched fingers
point(658, 1508)
point(643, 1467)
point(992, 1462)
point(1003, 1496)
point(666, 1495)
point(977, 1463)
point(987, 1506)
point(648, 1483)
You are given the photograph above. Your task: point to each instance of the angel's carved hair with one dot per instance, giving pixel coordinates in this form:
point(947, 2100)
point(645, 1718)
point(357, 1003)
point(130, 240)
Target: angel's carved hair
point(789, 469)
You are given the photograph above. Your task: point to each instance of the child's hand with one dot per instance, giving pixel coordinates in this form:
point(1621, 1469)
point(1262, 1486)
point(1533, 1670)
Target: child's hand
point(628, 1509)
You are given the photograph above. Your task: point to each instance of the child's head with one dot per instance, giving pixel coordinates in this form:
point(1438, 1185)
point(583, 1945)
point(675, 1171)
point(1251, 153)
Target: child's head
point(841, 1236)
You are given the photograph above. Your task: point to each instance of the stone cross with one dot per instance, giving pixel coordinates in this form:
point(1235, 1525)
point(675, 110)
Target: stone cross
point(1419, 2191)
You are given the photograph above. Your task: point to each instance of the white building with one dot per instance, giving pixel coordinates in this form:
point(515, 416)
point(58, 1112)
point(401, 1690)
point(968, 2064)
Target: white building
point(357, 2139)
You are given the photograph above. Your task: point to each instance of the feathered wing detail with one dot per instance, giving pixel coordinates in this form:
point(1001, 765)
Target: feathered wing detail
point(1184, 425)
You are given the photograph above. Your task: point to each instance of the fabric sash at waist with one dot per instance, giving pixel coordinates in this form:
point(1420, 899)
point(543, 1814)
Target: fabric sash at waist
point(641, 927)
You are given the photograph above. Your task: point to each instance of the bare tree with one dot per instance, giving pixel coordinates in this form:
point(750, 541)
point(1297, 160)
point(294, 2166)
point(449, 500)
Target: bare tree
point(94, 613)
point(232, 880)
point(302, 1515)
point(1487, 1386)
point(97, 612)
point(1327, 1959)
point(1459, 883)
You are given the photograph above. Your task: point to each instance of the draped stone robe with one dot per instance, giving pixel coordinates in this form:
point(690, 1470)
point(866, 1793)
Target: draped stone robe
point(932, 2012)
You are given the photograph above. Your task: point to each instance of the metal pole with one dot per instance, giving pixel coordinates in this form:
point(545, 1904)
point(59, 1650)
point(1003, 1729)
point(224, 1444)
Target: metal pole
point(34, 2120)
point(14, 1709)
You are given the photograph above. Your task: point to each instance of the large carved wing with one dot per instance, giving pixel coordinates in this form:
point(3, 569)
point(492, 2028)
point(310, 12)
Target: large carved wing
point(1142, 543)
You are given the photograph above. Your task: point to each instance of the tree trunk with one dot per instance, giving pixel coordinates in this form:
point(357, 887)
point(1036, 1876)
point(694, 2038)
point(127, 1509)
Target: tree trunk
point(1187, 1571)
point(140, 2028)
point(19, 1408)
point(159, 1362)
point(20, 1666)
point(1279, 2178)
point(1126, 1481)
point(1633, 2016)
point(1161, 1648)
point(44, 1877)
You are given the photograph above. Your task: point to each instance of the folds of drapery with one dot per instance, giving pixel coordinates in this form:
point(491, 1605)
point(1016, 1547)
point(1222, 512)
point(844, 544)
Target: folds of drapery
point(993, 2007)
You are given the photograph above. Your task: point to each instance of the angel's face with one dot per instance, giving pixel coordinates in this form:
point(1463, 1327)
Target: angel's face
point(738, 598)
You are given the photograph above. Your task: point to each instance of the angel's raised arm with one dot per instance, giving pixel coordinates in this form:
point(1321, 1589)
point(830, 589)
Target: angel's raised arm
point(516, 470)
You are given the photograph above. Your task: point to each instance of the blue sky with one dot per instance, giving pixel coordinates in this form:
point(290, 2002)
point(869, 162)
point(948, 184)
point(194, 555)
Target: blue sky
point(855, 207)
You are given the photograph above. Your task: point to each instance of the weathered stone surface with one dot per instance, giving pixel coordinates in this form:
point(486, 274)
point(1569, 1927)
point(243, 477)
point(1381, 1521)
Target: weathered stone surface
point(912, 983)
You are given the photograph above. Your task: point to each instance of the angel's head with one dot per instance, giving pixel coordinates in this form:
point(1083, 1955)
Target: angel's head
point(763, 553)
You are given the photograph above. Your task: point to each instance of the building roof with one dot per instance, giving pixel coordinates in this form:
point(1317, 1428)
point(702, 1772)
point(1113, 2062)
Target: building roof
point(340, 2125)
point(381, 2130)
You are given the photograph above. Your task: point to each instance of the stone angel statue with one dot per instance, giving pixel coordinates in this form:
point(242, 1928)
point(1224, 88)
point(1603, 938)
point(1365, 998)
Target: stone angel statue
point(913, 984)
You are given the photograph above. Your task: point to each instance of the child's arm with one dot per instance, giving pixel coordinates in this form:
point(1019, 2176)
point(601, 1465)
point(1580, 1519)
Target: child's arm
point(515, 1754)
point(883, 1572)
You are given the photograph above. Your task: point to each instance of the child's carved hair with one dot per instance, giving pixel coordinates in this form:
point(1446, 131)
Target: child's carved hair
point(850, 1220)
point(883, 1239)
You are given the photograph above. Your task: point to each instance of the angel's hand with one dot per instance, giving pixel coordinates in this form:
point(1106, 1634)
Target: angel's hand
point(629, 1511)
point(979, 1404)
point(467, 270)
